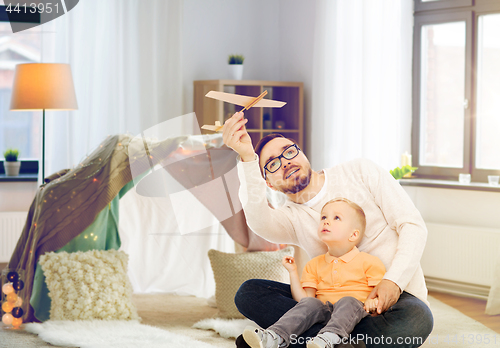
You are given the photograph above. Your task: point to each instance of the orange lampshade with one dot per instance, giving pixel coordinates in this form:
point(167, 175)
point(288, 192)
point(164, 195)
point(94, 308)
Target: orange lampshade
point(46, 86)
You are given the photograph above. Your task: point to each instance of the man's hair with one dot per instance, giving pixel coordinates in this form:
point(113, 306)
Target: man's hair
point(263, 142)
point(359, 213)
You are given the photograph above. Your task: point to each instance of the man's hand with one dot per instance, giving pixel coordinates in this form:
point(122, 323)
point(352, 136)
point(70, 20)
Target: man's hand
point(388, 294)
point(236, 137)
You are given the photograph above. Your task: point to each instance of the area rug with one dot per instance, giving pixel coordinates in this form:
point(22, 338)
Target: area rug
point(227, 328)
point(109, 334)
point(451, 328)
point(177, 315)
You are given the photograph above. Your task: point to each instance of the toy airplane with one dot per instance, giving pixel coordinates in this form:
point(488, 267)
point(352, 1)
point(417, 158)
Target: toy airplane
point(246, 102)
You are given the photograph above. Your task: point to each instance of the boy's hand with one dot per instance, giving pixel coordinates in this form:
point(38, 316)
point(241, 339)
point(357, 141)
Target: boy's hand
point(388, 294)
point(289, 263)
point(236, 137)
point(371, 305)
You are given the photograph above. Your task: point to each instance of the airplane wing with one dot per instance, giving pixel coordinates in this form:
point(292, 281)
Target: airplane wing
point(211, 128)
point(243, 100)
point(217, 128)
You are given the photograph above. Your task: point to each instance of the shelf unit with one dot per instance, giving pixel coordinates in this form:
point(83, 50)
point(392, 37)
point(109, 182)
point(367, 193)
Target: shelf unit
point(288, 120)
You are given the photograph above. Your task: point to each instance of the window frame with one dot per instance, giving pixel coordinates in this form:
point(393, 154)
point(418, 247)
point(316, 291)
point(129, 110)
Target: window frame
point(441, 4)
point(28, 165)
point(440, 15)
point(476, 173)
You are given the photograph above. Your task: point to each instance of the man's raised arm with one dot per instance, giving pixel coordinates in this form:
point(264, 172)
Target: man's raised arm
point(272, 225)
point(236, 137)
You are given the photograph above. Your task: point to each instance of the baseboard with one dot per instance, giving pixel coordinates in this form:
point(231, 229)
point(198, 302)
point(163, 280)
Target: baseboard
point(457, 288)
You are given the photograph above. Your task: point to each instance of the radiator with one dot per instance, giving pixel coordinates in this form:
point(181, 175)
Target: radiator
point(11, 227)
point(461, 254)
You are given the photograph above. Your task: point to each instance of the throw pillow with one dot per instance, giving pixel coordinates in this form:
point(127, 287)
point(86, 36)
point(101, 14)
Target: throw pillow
point(231, 270)
point(88, 285)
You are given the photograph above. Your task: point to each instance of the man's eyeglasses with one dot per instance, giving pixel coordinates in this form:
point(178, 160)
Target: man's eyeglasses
point(273, 165)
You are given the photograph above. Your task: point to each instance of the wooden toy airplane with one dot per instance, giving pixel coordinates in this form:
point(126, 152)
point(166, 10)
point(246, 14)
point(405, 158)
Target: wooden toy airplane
point(242, 100)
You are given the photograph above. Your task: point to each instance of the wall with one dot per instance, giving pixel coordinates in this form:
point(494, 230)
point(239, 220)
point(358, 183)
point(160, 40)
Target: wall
point(457, 207)
point(469, 250)
point(296, 34)
point(275, 36)
point(214, 29)
point(16, 196)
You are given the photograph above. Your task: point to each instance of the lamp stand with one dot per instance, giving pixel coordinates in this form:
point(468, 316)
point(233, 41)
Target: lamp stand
point(43, 147)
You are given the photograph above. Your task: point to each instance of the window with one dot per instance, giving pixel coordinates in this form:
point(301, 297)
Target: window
point(19, 129)
point(456, 88)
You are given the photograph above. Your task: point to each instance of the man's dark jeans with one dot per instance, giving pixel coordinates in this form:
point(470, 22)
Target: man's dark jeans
point(406, 324)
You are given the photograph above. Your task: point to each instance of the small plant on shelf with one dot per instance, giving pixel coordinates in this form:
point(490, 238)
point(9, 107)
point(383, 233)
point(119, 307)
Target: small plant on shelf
point(11, 155)
point(398, 173)
point(235, 59)
point(11, 164)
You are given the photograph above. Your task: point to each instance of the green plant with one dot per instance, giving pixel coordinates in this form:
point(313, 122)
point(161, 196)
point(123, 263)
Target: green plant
point(235, 59)
point(11, 155)
point(398, 173)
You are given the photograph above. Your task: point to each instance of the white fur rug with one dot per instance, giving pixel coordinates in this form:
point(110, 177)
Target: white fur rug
point(227, 328)
point(109, 334)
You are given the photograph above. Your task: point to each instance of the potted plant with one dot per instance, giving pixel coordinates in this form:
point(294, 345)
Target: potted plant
point(235, 62)
point(399, 173)
point(11, 164)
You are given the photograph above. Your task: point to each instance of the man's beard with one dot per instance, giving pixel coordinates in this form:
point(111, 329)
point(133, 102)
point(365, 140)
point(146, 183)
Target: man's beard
point(300, 183)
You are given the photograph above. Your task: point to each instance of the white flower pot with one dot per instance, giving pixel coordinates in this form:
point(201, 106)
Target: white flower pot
point(12, 168)
point(235, 71)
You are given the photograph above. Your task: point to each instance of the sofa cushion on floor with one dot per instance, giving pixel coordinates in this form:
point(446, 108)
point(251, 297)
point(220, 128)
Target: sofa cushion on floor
point(88, 285)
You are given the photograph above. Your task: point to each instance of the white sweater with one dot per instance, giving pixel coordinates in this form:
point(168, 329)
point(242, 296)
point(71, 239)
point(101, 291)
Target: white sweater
point(395, 231)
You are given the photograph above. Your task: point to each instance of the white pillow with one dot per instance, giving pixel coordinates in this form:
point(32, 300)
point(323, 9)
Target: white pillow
point(88, 285)
point(232, 270)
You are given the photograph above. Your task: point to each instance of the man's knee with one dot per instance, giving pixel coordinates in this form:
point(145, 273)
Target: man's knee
point(422, 318)
point(418, 318)
point(248, 285)
point(249, 289)
point(241, 295)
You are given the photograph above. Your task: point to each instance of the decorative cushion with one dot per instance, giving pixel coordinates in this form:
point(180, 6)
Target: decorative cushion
point(231, 270)
point(88, 285)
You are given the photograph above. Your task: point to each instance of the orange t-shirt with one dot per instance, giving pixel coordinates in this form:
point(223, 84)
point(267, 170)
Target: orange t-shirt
point(353, 274)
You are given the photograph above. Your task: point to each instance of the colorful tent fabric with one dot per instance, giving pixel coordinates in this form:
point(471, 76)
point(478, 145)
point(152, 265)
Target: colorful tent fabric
point(65, 207)
point(102, 234)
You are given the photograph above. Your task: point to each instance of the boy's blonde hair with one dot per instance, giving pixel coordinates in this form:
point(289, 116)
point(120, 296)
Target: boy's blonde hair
point(359, 213)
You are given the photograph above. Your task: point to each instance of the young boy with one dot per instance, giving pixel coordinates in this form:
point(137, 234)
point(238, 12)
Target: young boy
point(332, 286)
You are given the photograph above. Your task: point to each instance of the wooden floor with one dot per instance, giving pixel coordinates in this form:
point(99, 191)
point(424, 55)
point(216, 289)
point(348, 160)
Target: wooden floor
point(471, 307)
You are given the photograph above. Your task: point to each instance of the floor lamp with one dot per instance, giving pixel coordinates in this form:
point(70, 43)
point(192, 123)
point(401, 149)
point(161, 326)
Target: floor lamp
point(43, 86)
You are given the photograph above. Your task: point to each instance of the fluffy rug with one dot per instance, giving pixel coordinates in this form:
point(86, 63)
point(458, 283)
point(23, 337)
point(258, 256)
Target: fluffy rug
point(451, 328)
point(109, 334)
point(173, 314)
point(227, 328)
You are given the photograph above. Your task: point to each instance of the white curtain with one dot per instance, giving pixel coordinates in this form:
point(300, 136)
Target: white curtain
point(125, 57)
point(361, 93)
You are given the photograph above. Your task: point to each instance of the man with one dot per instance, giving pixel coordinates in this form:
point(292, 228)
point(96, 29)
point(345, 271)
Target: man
point(395, 233)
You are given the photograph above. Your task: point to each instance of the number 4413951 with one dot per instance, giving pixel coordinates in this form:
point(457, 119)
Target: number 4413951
point(33, 8)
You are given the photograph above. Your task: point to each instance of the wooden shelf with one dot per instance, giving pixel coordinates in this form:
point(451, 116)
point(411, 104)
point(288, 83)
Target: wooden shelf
point(261, 121)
